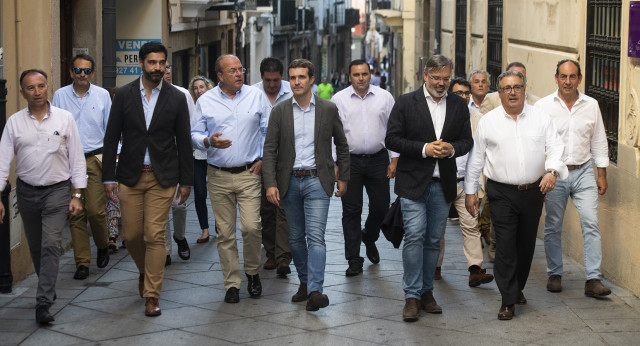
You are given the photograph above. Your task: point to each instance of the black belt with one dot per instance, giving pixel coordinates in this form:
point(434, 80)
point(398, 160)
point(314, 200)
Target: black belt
point(93, 153)
point(435, 179)
point(235, 170)
point(460, 179)
point(304, 172)
point(521, 187)
point(368, 156)
point(45, 186)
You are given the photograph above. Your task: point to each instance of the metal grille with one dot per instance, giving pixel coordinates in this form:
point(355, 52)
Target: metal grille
point(461, 38)
point(494, 42)
point(602, 75)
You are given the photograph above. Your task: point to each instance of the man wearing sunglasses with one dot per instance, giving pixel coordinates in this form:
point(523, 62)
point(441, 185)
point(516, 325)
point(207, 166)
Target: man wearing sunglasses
point(90, 106)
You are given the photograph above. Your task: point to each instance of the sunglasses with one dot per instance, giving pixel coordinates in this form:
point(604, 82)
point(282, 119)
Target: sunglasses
point(78, 70)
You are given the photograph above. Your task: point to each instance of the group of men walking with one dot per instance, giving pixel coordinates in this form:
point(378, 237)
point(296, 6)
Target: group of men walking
point(276, 153)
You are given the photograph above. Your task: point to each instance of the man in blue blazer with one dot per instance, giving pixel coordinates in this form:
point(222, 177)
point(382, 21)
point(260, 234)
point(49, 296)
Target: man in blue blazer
point(429, 128)
point(152, 119)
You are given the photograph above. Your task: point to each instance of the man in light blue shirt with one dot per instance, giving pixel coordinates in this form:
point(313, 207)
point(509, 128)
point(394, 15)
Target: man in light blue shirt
point(275, 231)
point(90, 106)
point(231, 125)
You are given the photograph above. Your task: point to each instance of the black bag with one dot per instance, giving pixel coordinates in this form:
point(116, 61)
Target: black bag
point(392, 225)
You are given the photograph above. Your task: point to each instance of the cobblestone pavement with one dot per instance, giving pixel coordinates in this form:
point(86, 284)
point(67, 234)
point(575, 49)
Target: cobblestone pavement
point(105, 309)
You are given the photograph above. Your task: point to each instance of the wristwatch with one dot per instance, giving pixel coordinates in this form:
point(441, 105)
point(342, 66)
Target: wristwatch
point(77, 195)
point(554, 173)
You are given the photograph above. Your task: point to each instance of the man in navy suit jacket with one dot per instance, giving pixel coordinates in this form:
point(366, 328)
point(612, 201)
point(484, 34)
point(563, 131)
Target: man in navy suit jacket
point(152, 119)
point(429, 128)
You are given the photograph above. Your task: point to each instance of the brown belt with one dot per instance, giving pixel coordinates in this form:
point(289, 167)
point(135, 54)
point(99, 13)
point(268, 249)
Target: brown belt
point(147, 168)
point(572, 167)
point(521, 187)
point(304, 172)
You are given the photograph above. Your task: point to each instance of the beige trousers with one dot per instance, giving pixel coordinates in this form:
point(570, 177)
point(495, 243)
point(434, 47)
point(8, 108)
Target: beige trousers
point(229, 193)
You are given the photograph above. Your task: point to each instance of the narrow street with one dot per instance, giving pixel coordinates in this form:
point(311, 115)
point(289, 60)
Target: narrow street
point(105, 309)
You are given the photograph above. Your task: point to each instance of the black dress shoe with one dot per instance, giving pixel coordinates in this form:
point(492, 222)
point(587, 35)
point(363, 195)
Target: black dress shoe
point(372, 252)
point(232, 296)
point(354, 269)
point(506, 312)
point(254, 286)
point(167, 262)
point(103, 257)
point(43, 316)
point(183, 248)
point(521, 299)
point(81, 273)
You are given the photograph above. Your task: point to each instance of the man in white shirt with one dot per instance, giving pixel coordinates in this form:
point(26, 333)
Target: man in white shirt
point(521, 153)
point(479, 80)
point(579, 122)
point(275, 231)
point(49, 159)
point(364, 111)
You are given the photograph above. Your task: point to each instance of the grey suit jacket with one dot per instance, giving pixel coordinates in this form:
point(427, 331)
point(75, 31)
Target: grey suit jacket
point(279, 147)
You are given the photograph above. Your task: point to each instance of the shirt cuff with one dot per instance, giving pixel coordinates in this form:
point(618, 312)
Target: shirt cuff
point(453, 152)
point(424, 148)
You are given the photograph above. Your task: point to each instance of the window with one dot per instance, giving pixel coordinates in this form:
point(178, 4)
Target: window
point(494, 42)
point(602, 73)
point(461, 38)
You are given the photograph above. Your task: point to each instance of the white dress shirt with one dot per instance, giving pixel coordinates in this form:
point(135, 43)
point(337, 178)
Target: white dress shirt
point(580, 128)
point(438, 112)
point(47, 152)
point(514, 152)
point(364, 119)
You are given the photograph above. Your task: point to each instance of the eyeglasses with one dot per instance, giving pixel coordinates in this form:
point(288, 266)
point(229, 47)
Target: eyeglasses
point(78, 70)
point(235, 70)
point(462, 93)
point(516, 88)
point(564, 77)
point(438, 79)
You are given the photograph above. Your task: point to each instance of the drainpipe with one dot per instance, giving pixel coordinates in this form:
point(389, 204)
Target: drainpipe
point(108, 44)
point(6, 279)
point(438, 26)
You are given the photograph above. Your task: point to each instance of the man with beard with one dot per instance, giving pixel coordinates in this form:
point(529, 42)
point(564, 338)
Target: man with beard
point(429, 128)
point(152, 119)
point(231, 126)
point(364, 110)
point(90, 106)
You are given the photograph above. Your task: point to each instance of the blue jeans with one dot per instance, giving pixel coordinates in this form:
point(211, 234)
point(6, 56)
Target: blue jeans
point(424, 220)
point(581, 187)
point(306, 205)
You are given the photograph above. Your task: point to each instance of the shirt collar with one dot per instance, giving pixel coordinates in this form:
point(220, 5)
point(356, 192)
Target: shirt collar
point(522, 114)
point(429, 97)
point(312, 102)
point(369, 91)
point(46, 115)
point(76, 94)
point(159, 87)
point(581, 96)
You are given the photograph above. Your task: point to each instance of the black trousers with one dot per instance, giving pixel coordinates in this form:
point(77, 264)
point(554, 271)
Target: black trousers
point(370, 173)
point(515, 215)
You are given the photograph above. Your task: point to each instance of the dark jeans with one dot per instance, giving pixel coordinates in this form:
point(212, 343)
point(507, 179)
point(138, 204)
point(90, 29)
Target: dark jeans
point(370, 173)
point(515, 215)
point(200, 191)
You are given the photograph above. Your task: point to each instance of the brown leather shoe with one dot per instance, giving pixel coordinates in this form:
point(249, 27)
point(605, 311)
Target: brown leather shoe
point(554, 284)
point(141, 284)
point(152, 307)
point(506, 312)
point(428, 303)
point(410, 311)
point(478, 276)
point(301, 295)
point(317, 301)
point(270, 264)
point(521, 299)
point(595, 288)
point(283, 268)
point(438, 274)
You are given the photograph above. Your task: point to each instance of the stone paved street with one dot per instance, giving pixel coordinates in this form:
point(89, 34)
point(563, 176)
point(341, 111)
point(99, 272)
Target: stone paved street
point(105, 309)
